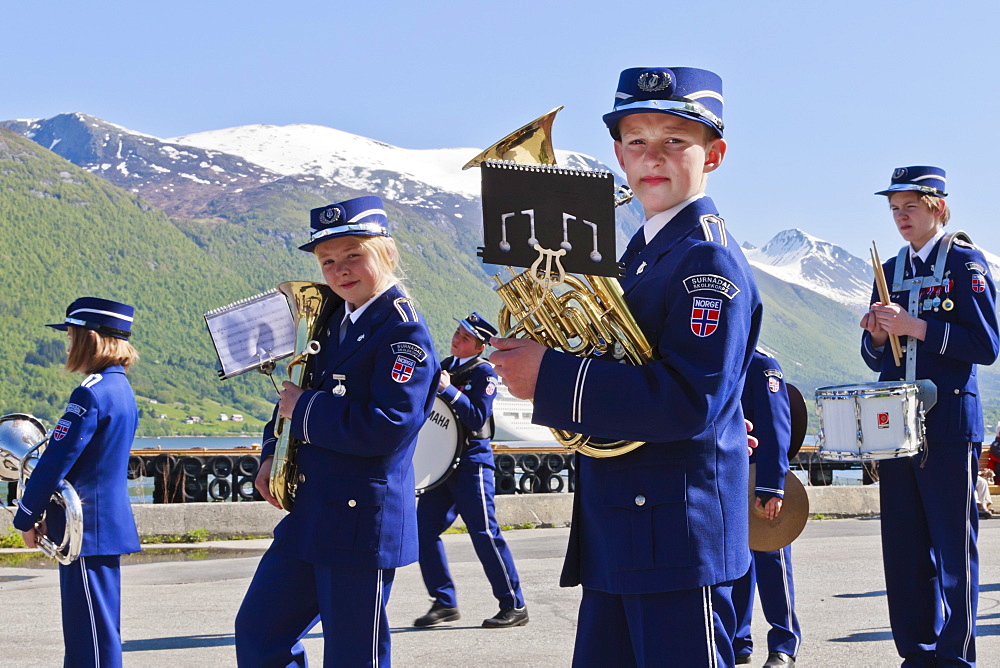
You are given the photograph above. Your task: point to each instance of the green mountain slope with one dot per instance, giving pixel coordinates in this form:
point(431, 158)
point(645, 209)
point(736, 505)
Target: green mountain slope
point(68, 233)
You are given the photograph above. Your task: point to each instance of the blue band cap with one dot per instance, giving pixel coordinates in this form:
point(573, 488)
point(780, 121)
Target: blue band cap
point(361, 216)
point(687, 92)
point(478, 326)
point(101, 315)
point(921, 178)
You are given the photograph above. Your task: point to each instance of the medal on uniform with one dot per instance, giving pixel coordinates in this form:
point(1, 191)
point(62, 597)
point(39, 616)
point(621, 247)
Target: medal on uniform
point(340, 390)
point(947, 304)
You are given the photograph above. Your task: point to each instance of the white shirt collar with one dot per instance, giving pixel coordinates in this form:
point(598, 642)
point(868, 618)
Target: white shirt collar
point(652, 226)
point(925, 250)
point(356, 313)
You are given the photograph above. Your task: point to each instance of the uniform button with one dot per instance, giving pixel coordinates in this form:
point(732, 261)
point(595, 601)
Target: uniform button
point(958, 391)
point(640, 500)
point(352, 503)
point(302, 477)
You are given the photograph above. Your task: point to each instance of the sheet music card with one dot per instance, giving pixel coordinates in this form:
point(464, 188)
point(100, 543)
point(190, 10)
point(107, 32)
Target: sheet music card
point(252, 331)
point(554, 207)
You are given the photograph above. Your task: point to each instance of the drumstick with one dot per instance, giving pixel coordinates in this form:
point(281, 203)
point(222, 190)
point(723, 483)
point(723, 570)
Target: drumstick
point(883, 296)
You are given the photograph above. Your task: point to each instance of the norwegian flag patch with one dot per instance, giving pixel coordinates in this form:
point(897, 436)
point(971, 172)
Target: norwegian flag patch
point(402, 369)
point(60, 430)
point(773, 384)
point(705, 314)
point(978, 283)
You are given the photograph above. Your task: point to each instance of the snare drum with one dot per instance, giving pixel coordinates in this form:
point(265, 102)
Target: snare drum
point(870, 421)
point(439, 447)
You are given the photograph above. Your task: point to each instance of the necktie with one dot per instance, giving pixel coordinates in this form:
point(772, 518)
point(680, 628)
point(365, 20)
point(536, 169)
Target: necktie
point(919, 267)
point(635, 246)
point(344, 324)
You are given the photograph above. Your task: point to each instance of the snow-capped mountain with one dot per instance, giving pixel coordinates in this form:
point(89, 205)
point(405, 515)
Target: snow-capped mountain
point(405, 175)
point(176, 178)
point(185, 175)
point(799, 258)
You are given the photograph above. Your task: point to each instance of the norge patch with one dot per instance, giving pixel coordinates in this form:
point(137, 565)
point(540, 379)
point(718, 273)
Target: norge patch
point(705, 315)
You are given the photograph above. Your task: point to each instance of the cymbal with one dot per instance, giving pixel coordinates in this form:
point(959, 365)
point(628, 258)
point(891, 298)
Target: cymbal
point(800, 419)
point(767, 535)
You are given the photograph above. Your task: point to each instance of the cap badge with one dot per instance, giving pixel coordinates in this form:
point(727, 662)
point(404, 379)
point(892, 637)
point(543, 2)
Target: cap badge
point(653, 82)
point(899, 173)
point(330, 215)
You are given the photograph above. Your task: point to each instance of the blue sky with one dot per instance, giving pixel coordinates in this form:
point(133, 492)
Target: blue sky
point(823, 100)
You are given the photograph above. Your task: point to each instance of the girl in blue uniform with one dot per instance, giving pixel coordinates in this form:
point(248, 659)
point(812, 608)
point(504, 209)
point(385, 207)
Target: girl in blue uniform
point(943, 308)
point(354, 518)
point(89, 448)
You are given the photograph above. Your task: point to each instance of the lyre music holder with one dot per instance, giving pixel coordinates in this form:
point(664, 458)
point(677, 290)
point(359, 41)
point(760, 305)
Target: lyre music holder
point(543, 213)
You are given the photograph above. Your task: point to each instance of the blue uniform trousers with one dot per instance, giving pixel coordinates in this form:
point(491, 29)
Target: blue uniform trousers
point(288, 596)
point(770, 574)
point(467, 492)
point(91, 611)
point(929, 530)
point(690, 627)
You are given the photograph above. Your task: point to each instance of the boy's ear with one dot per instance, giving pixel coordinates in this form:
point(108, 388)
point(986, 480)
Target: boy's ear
point(715, 152)
point(618, 154)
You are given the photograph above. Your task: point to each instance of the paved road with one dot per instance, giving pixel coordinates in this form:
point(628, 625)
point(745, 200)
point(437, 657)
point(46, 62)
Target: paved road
point(180, 613)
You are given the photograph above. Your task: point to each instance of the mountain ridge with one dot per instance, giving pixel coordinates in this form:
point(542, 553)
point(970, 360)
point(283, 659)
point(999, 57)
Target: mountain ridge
point(250, 218)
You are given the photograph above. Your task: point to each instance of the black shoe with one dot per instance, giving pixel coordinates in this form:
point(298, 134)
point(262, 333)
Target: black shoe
point(507, 617)
point(742, 659)
point(437, 615)
point(779, 659)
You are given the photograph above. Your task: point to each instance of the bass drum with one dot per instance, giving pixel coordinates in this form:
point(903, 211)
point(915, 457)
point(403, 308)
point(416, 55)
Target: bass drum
point(439, 447)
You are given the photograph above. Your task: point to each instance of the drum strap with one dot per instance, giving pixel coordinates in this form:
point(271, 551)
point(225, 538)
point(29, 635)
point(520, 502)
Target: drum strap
point(914, 286)
point(459, 375)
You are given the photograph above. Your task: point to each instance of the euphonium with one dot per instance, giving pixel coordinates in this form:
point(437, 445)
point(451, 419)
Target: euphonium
point(589, 318)
point(308, 301)
point(22, 438)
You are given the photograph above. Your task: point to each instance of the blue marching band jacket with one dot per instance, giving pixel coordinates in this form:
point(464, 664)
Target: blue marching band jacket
point(471, 393)
point(766, 405)
point(369, 397)
point(957, 298)
point(648, 521)
point(89, 448)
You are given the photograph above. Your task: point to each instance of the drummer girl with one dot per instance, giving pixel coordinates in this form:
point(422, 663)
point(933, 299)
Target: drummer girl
point(943, 311)
point(89, 448)
point(354, 517)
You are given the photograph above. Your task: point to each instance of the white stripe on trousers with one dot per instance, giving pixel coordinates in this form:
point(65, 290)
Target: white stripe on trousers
point(90, 609)
point(712, 655)
point(378, 617)
point(789, 612)
point(486, 520)
point(971, 489)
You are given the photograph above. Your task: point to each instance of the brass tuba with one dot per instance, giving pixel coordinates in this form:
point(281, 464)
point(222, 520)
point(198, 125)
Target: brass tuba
point(22, 438)
point(308, 301)
point(588, 317)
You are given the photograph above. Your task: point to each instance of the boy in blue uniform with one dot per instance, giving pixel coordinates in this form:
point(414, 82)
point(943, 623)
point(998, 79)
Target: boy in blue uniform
point(469, 384)
point(943, 308)
point(766, 405)
point(660, 534)
point(354, 519)
point(89, 448)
